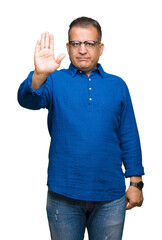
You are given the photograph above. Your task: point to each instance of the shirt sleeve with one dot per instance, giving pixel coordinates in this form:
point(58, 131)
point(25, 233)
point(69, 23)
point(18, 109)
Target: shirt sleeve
point(129, 138)
point(35, 99)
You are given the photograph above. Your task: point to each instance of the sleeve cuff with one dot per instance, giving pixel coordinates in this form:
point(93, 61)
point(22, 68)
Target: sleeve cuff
point(134, 172)
point(30, 89)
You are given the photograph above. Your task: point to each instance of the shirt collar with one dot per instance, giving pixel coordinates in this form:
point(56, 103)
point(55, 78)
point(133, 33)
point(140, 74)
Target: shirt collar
point(74, 70)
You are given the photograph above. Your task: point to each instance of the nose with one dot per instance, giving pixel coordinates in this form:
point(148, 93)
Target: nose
point(82, 49)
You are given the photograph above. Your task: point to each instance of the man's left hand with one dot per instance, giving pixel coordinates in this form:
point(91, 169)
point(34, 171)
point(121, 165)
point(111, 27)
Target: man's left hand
point(134, 197)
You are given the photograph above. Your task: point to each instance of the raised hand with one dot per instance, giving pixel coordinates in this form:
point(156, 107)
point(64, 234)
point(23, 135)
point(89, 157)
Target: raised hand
point(44, 60)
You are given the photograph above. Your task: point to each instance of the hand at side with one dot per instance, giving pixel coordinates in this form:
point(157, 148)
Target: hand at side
point(134, 198)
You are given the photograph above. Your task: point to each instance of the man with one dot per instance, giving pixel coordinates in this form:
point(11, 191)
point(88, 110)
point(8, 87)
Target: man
point(93, 131)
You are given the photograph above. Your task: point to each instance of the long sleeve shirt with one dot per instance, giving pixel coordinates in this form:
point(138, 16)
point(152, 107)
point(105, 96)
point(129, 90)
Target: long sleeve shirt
point(93, 132)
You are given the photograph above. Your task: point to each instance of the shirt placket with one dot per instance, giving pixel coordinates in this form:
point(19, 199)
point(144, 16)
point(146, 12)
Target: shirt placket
point(90, 98)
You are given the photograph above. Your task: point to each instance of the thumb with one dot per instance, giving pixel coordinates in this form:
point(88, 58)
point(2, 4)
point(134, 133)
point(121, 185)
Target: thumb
point(129, 206)
point(60, 58)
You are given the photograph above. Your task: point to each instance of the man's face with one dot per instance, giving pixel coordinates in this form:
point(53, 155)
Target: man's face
point(83, 57)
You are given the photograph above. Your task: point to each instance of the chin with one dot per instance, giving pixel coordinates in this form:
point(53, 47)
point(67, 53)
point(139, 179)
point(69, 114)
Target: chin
point(82, 65)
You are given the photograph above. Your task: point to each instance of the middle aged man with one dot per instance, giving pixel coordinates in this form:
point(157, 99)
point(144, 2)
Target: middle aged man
point(93, 131)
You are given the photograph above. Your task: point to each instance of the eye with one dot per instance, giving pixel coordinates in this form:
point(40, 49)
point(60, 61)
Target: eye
point(75, 43)
point(90, 43)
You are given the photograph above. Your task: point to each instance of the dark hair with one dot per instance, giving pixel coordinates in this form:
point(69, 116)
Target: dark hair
point(85, 22)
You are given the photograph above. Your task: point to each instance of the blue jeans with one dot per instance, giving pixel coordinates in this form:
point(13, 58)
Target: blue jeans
point(69, 217)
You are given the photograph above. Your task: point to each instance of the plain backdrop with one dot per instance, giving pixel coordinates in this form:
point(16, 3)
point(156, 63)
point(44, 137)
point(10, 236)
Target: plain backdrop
point(133, 50)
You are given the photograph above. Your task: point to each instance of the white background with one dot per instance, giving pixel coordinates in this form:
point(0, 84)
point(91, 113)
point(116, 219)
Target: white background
point(133, 51)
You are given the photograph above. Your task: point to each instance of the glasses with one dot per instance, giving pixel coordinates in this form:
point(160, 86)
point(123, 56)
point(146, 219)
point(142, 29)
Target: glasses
point(88, 44)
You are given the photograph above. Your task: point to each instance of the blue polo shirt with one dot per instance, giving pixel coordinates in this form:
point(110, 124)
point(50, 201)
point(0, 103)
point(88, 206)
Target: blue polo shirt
point(93, 132)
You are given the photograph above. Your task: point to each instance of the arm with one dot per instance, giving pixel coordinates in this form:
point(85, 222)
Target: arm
point(35, 92)
point(35, 99)
point(131, 150)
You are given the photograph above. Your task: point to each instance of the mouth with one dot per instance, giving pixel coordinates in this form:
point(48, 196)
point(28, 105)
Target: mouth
point(82, 58)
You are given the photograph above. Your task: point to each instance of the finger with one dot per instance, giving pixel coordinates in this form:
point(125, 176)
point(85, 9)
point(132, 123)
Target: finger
point(139, 204)
point(51, 41)
point(129, 206)
point(37, 47)
point(46, 40)
point(60, 58)
point(42, 41)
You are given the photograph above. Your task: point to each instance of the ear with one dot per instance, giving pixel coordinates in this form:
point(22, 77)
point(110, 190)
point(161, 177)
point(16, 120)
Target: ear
point(101, 48)
point(67, 46)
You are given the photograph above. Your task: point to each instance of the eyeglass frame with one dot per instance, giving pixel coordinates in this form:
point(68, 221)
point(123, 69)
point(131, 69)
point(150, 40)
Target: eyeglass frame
point(95, 42)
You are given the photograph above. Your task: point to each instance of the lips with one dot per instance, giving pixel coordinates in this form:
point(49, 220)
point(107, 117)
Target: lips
point(82, 59)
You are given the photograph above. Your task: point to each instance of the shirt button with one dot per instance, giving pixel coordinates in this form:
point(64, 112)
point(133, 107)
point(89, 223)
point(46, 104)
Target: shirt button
point(90, 88)
point(89, 79)
point(90, 99)
point(80, 71)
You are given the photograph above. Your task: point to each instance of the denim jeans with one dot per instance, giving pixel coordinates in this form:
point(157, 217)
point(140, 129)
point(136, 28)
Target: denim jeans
point(69, 217)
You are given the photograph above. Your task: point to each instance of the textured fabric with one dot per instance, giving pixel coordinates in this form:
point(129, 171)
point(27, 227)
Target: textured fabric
point(93, 131)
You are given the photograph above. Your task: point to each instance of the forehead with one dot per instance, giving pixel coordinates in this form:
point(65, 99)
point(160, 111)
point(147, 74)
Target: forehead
point(83, 33)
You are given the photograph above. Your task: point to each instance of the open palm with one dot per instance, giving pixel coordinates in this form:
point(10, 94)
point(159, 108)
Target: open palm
point(44, 60)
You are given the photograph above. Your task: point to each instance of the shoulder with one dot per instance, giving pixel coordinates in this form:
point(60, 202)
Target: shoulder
point(115, 79)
